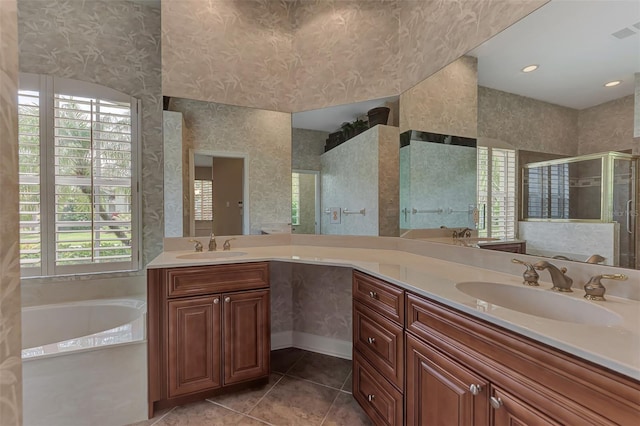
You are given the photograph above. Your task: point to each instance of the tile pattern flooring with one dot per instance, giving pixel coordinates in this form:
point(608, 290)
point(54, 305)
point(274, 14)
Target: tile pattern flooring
point(305, 388)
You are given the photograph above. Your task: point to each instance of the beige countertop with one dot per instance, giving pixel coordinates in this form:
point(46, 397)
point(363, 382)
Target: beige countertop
point(616, 347)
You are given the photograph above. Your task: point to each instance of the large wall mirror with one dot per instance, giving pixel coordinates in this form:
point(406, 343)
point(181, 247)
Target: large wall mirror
point(557, 168)
point(519, 121)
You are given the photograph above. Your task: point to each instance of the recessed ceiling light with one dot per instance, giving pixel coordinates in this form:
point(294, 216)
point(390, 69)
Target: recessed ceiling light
point(530, 68)
point(612, 83)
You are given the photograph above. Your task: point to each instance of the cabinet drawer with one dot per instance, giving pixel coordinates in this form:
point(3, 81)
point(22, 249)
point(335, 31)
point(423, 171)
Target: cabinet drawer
point(380, 341)
point(197, 280)
point(382, 297)
point(381, 401)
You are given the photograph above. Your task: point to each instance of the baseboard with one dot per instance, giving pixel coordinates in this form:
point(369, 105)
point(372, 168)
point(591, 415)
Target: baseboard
point(311, 342)
point(281, 340)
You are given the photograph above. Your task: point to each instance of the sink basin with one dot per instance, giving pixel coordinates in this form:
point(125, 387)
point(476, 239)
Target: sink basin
point(211, 255)
point(541, 303)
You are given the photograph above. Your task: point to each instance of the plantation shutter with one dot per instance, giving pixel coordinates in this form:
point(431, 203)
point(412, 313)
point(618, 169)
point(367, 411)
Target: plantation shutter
point(497, 192)
point(203, 203)
point(78, 177)
point(29, 118)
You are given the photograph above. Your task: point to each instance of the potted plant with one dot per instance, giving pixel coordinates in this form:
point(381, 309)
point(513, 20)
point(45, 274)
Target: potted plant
point(359, 126)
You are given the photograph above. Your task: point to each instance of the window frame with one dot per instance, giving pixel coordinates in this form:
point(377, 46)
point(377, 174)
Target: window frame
point(511, 198)
point(47, 87)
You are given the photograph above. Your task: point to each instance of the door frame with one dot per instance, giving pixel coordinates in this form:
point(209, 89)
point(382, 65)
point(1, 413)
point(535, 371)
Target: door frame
point(316, 173)
point(246, 225)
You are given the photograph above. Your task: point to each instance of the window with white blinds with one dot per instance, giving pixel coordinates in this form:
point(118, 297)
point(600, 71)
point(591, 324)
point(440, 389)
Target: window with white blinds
point(295, 199)
point(497, 192)
point(79, 202)
point(203, 199)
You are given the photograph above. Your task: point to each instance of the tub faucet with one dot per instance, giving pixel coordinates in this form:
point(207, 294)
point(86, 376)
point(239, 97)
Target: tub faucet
point(227, 244)
point(197, 246)
point(595, 258)
point(213, 246)
point(561, 282)
point(464, 232)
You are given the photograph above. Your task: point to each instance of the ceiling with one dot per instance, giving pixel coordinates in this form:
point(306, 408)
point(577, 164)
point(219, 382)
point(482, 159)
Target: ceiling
point(330, 119)
point(573, 43)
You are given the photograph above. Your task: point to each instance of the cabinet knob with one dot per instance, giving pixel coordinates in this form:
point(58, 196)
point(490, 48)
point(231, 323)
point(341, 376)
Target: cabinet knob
point(370, 397)
point(475, 389)
point(227, 299)
point(495, 402)
point(373, 295)
point(216, 300)
point(371, 340)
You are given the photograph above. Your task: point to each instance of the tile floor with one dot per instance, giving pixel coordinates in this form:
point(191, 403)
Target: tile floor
point(305, 388)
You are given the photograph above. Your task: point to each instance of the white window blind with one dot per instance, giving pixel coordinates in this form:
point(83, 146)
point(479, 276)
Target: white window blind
point(295, 199)
point(87, 195)
point(497, 192)
point(203, 202)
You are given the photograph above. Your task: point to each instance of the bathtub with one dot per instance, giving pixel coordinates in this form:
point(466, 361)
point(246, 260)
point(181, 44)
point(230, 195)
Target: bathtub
point(84, 363)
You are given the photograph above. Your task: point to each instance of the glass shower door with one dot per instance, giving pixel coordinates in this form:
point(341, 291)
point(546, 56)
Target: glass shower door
point(625, 193)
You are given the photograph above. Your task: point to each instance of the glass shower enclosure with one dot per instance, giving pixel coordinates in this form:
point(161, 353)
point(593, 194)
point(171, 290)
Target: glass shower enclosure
point(596, 188)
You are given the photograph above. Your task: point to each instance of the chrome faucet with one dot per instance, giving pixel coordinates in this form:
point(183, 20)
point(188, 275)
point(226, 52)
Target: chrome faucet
point(594, 290)
point(561, 282)
point(197, 246)
point(227, 245)
point(463, 233)
point(595, 258)
point(213, 246)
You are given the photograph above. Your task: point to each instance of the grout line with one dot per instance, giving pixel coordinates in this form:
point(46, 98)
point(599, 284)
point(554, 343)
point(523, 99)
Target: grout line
point(296, 363)
point(265, 394)
point(345, 380)
point(312, 382)
point(329, 410)
point(238, 412)
point(163, 416)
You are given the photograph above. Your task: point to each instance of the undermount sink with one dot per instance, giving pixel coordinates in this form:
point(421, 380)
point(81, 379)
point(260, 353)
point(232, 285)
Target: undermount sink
point(211, 255)
point(541, 303)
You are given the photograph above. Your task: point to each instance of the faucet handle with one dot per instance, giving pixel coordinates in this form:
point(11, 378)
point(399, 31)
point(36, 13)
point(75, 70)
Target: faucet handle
point(530, 275)
point(227, 244)
point(594, 290)
point(197, 246)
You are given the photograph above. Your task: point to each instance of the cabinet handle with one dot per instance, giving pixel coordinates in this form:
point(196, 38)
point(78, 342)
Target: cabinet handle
point(371, 340)
point(216, 300)
point(373, 295)
point(371, 397)
point(495, 402)
point(475, 389)
point(227, 299)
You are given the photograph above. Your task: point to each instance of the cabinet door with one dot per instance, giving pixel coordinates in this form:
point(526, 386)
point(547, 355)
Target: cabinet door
point(511, 411)
point(194, 345)
point(246, 336)
point(438, 390)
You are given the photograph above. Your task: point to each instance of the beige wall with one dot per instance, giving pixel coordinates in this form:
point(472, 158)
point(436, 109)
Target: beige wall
point(263, 136)
point(306, 148)
point(10, 342)
point(446, 102)
point(307, 205)
point(227, 191)
point(301, 55)
point(606, 127)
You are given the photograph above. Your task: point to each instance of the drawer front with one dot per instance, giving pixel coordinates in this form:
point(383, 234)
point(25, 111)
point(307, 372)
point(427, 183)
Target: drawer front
point(380, 296)
point(380, 341)
point(197, 280)
point(381, 401)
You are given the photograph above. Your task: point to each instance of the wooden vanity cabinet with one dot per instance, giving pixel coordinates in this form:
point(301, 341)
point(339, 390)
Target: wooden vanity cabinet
point(521, 381)
point(378, 348)
point(209, 331)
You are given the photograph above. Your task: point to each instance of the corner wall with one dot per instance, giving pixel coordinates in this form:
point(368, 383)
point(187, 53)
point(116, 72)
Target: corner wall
point(10, 315)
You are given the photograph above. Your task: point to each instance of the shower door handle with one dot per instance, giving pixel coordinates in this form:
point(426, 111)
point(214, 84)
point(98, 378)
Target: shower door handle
point(629, 230)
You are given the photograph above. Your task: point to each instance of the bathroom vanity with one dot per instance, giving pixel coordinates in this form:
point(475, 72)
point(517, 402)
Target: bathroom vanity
point(209, 331)
point(423, 351)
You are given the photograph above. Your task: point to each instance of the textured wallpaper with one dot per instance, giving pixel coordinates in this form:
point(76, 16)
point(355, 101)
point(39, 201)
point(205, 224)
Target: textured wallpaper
point(636, 115)
point(307, 54)
point(434, 33)
point(606, 127)
point(306, 148)
point(232, 52)
point(349, 179)
point(116, 44)
point(173, 175)
point(343, 52)
point(527, 123)
point(446, 102)
point(307, 206)
point(265, 136)
point(10, 329)
point(388, 181)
